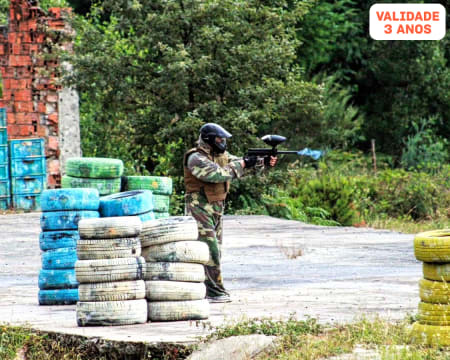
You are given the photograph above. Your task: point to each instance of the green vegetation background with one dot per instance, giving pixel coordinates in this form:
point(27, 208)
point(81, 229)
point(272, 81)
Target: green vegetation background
point(150, 73)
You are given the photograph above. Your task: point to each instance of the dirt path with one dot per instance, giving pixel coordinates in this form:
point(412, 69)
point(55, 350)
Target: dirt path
point(342, 273)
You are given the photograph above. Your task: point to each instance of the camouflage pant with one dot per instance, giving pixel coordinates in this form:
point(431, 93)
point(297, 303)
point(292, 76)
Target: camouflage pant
point(209, 221)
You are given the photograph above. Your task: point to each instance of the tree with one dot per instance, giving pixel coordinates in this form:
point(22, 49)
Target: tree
point(395, 84)
point(157, 70)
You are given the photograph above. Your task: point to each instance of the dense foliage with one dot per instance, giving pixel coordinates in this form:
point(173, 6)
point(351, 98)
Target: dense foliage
point(156, 79)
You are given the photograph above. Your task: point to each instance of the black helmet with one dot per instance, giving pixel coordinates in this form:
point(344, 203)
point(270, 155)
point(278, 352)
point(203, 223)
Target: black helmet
point(210, 131)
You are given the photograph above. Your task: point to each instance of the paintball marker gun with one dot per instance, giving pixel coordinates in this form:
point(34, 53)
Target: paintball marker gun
point(274, 141)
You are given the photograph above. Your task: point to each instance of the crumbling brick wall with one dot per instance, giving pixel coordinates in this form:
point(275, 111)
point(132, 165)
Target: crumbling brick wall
point(30, 76)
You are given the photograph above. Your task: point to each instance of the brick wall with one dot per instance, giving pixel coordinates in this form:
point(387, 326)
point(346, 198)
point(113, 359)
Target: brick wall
point(30, 76)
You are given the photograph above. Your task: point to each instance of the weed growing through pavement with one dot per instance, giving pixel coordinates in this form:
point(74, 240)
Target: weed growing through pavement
point(291, 251)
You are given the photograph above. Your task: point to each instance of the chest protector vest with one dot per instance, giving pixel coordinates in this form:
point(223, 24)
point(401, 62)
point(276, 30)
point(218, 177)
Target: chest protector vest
point(213, 191)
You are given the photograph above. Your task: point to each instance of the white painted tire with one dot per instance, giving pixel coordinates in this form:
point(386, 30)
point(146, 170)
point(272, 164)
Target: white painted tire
point(91, 249)
point(173, 228)
point(174, 290)
point(179, 251)
point(178, 310)
point(109, 270)
point(110, 227)
point(111, 312)
point(112, 291)
point(175, 271)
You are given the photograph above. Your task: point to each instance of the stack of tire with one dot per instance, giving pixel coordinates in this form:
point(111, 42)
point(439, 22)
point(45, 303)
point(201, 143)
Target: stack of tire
point(161, 187)
point(174, 276)
point(62, 211)
point(102, 174)
point(129, 203)
point(433, 327)
point(110, 272)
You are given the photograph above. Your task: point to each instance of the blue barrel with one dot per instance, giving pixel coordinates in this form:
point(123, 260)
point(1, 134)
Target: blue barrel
point(58, 297)
point(57, 279)
point(57, 259)
point(65, 220)
point(49, 240)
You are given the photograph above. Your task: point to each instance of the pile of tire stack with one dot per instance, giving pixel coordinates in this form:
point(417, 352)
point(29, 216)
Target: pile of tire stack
point(110, 272)
point(160, 186)
point(174, 275)
point(433, 327)
point(62, 211)
point(99, 173)
point(128, 203)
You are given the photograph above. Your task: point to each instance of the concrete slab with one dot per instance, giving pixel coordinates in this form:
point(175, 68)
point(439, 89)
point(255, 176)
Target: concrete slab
point(342, 273)
point(236, 347)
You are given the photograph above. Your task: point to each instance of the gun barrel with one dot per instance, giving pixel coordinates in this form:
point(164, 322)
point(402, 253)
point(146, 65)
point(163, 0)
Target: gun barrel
point(287, 152)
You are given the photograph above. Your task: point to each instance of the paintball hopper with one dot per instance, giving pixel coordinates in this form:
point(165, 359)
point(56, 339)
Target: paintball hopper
point(273, 140)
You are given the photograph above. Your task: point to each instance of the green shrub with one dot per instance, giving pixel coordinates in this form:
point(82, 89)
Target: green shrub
point(424, 150)
point(334, 194)
point(400, 193)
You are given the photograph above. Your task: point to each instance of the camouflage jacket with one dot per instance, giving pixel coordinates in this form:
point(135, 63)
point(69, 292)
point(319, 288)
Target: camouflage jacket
point(224, 168)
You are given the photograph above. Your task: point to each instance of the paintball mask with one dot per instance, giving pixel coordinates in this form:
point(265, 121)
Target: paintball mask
point(215, 136)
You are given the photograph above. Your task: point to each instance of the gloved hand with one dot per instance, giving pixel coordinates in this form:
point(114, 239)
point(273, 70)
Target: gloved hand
point(250, 161)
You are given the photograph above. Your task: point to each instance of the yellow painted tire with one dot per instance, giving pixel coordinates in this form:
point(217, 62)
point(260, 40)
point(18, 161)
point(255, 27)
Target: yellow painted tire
point(430, 334)
point(434, 292)
point(433, 246)
point(437, 272)
point(434, 314)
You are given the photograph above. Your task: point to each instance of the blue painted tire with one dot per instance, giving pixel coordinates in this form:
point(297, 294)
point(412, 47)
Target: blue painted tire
point(50, 240)
point(70, 199)
point(147, 216)
point(128, 203)
point(59, 259)
point(65, 220)
point(58, 297)
point(57, 279)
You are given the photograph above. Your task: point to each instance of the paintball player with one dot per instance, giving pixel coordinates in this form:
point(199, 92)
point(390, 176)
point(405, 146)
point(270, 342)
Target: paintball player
point(208, 170)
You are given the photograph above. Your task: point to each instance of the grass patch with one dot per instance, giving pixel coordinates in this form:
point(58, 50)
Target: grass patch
point(308, 340)
point(409, 226)
point(17, 343)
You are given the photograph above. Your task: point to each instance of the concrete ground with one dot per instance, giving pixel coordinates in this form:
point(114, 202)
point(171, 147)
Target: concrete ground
point(272, 267)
